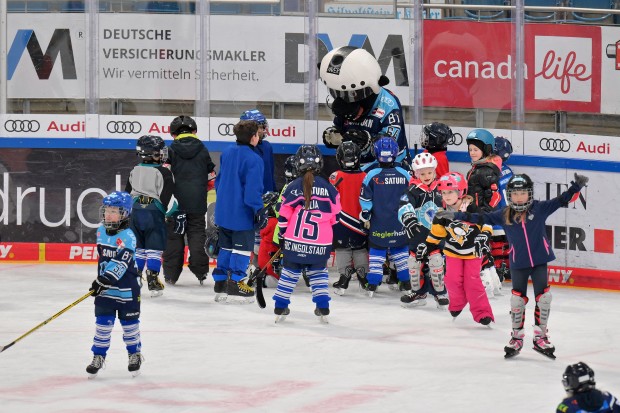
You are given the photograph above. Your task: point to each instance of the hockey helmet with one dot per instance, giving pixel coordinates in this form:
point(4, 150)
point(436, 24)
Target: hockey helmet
point(255, 115)
point(482, 139)
point(520, 182)
point(290, 168)
point(503, 148)
point(212, 244)
point(348, 156)
point(309, 158)
point(120, 200)
point(182, 124)
point(453, 181)
point(385, 149)
point(578, 378)
point(423, 160)
point(435, 136)
point(149, 147)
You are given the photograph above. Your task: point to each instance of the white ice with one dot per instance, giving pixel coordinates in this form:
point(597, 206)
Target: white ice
point(373, 356)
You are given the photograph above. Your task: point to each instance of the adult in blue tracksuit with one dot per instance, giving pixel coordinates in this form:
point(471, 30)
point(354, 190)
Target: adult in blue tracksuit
point(380, 198)
point(239, 187)
point(530, 251)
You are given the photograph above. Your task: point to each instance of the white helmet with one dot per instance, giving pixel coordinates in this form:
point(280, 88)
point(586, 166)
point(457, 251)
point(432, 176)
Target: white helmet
point(423, 160)
point(350, 73)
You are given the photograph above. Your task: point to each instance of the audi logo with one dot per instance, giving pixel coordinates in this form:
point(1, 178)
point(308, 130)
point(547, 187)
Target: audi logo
point(455, 139)
point(226, 129)
point(124, 127)
point(555, 145)
point(22, 126)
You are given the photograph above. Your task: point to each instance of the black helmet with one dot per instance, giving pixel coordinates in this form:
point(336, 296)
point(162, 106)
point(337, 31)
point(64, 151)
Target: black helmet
point(348, 156)
point(309, 158)
point(270, 199)
point(290, 168)
point(182, 124)
point(520, 182)
point(212, 244)
point(578, 378)
point(150, 146)
point(435, 136)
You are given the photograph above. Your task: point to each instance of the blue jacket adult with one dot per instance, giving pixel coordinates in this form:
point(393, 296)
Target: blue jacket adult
point(528, 241)
point(239, 187)
point(265, 151)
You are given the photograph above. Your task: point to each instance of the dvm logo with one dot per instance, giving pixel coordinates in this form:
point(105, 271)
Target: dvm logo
point(60, 44)
point(392, 51)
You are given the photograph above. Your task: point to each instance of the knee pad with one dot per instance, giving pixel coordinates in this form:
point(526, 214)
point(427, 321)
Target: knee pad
point(415, 272)
point(544, 300)
point(517, 309)
point(436, 268)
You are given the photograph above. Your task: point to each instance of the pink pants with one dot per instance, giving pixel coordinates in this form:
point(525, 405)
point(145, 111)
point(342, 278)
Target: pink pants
point(465, 286)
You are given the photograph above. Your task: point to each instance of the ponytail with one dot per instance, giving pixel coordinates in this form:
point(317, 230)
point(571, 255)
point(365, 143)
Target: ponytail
point(308, 184)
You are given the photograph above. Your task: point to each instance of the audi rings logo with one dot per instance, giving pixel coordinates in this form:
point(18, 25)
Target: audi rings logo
point(455, 139)
point(226, 129)
point(555, 145)
point(15, 125)
point(124, 127)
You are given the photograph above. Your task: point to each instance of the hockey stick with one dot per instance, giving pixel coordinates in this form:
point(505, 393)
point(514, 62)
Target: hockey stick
point(260, 298)
point(58, 314)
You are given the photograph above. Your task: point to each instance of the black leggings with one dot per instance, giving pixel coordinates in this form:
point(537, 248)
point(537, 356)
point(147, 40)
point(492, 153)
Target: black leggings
point(521, 275)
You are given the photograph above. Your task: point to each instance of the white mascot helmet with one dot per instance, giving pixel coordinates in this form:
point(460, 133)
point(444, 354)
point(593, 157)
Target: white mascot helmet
point(350, 73)
point(423, 160)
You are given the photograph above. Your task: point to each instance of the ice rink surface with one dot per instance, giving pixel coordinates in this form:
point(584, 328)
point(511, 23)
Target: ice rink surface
point(373, 356)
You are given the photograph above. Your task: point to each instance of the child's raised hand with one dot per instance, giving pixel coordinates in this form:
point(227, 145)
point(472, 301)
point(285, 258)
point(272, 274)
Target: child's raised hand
point(581, 180)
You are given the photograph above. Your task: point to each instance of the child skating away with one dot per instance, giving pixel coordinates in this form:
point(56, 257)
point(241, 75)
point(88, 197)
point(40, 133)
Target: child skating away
point(310, 205)
point(530, 251)
point(499, 243)
point(434, 138)
point(350, 236)
point(582, 394)
point(381, 192)
point(117, 286)
point(151, 185)
point(465, 244)
point(416, 212)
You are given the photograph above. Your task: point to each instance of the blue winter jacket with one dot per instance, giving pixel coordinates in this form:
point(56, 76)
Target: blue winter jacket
point(528, 241)
point(239, 187)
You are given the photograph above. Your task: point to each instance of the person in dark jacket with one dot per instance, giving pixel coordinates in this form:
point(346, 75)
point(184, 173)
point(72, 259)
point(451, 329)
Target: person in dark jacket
point(583, 396)
point(530, 251)
point(194, 173)
point(240, 188)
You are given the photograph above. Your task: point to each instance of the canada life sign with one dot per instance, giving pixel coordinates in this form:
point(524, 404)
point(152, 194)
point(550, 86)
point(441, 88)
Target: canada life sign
point(562, 66)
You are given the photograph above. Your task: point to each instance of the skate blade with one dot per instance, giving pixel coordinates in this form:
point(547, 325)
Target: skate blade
point(418, 303)
point(545, 353)
point(220, 298)
point(135, 373)
point(393, 287)
point(239, 300)
point(324, 319)
point(156, 293)
point(442, 307)
point(370, 294)
point(91, 376)
point(339, 291)
point(511, 355)
point(280, 318)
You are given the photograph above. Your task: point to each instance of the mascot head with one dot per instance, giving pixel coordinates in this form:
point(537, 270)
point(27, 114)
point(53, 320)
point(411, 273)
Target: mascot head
point(353, 77)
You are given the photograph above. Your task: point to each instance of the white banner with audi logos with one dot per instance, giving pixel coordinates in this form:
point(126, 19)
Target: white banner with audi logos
point(278, 131)
point(566, 145)
point(132, 127)
point(43, 126)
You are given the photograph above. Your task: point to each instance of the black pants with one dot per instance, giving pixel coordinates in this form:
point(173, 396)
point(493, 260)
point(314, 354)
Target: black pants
point(539, 279)
point(175, 249)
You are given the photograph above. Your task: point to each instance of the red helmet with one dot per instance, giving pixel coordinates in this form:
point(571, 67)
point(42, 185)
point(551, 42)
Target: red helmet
point(453, 181)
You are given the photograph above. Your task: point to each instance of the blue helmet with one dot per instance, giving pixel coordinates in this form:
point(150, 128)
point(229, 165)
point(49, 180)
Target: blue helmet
point(385, 149)
point(503, 148)
point(483, 139)
point(255, 115)
point(120, 200)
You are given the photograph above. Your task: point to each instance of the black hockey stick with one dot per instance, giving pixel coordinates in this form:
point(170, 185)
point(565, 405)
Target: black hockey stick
point(260, 298)
point(58, 314)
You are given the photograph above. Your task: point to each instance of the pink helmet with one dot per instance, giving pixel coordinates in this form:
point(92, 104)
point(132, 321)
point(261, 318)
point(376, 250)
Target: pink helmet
point(423, 160)
point(453, 181)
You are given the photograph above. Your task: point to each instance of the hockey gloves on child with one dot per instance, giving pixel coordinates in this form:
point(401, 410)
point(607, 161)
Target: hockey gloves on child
point(581, 180)
point(481, 245)
point(359, 137)
point(99, 285)
point(421, 252)
point(180, 220)
point(411, 224)
point(365, 218)
point(332, 137)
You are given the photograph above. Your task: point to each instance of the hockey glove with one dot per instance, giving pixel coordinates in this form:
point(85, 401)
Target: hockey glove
point(180, 220)
point(445, 215)
point(99, 285)
point(332, 137)
point(581, 180)
point(360, 137)
point(421, 252)
point(411, 224)
point(481, 245)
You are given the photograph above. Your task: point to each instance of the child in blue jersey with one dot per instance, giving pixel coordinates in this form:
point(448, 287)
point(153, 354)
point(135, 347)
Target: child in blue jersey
point(117, 286)
point(151, 185)
point(583, 396)
point(499, 243)
point(382, 189)
point(309, 207)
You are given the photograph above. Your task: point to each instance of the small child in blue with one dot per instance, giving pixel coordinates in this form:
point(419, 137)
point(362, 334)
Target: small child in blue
point(582, 394)
point(117, 286)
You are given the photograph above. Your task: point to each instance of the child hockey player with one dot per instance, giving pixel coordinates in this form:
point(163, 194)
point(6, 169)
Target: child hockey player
point(524, 223)
point(417, 209)
point(434, 139)
point(499, 243)
point(465, 244)
point(381, 191)
point(308, 211)
point(117, 286)
point(350, 236)
point(269, 222)
point(151, 186)
point(583, 396)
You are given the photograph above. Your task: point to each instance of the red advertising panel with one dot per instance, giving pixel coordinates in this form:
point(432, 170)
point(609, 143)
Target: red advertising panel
point(19, 251)
point(57, 252)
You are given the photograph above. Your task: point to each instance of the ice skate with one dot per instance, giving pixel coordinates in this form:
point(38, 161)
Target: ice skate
point(239, 292)
point(154, 285)
point(322, 313)
point(413, 299)
point(455, 314)
point(201, 278)
point(404, 286)
point(371, 289)
point(542, 344)
point(97, 364)
point(220, 291)
point(135, 361)
point(281, 314)
point(391, 279)
point(485, 321)
point(515, 345)
point(342, 284)
point(442, 301)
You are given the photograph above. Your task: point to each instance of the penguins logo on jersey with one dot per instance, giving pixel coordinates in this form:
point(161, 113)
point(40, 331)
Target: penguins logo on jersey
point(459, 231)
